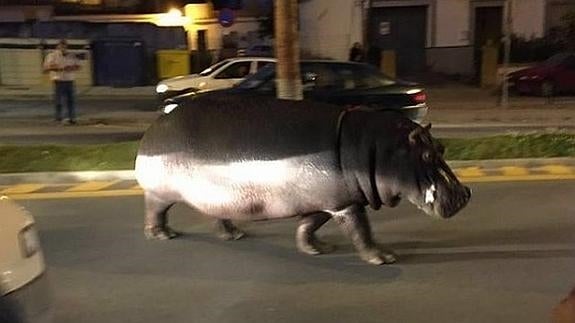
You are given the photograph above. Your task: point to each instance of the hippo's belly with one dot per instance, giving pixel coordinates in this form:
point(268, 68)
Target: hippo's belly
point(249, 189)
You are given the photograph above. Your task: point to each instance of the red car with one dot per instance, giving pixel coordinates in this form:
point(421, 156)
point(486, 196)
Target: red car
point(554, 76)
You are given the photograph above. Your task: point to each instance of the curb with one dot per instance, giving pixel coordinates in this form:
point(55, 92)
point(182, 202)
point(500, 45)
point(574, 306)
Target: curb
point(468, 168)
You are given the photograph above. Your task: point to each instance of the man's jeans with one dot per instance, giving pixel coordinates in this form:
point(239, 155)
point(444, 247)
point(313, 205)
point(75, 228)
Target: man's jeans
point(64, 89)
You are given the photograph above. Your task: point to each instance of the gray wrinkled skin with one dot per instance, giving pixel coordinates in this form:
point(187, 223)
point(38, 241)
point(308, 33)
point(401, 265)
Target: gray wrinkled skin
point(258, 158)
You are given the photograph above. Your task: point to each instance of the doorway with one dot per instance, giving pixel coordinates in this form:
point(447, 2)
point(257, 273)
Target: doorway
point(488, 28)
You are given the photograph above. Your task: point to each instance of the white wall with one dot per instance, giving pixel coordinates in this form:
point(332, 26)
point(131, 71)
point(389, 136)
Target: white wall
point(452, 23)
point(529, 18)
point(330, 27)
point(23, 66)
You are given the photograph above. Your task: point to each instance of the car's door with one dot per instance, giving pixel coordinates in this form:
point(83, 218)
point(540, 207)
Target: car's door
point(565, 75)
point(230, 75)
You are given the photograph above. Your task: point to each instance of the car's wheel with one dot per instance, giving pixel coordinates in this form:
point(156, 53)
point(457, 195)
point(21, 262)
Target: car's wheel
point(547, 89)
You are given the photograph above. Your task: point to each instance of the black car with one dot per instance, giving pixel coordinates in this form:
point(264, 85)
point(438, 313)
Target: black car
point(341, 83)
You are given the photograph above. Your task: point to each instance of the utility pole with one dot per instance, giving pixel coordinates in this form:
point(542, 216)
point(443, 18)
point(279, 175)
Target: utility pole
point(288, 79)
point(507, 31)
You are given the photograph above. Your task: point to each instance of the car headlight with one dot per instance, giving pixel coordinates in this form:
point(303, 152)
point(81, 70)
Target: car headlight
point(161, 88)
point(169, 107)
point(29, 242)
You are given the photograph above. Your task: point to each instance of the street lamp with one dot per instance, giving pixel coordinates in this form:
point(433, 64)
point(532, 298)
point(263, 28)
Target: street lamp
point(173, 17)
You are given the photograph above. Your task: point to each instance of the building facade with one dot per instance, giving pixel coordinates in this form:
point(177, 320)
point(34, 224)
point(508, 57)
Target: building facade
point(131, 31)
point(426, 35)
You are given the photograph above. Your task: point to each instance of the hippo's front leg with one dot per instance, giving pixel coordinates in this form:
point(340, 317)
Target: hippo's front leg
point(353, 221)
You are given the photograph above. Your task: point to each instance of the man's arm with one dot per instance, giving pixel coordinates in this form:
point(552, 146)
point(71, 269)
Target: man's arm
point(73, 64)
point(50, 64)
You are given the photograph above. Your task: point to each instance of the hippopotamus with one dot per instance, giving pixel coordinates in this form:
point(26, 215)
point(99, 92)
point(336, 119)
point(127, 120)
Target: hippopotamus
point(249, 157)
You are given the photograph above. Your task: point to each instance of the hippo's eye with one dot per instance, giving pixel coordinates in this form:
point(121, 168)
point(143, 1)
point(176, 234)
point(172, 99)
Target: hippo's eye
point(426, 156)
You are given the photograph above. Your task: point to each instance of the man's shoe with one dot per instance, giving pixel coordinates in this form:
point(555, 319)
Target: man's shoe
point(72, 122)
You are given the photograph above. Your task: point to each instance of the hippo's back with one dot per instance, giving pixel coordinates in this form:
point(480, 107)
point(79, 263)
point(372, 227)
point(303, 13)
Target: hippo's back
point(242, 147)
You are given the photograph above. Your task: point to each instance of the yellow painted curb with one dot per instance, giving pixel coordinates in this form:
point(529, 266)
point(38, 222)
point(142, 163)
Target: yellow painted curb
point(472, 174)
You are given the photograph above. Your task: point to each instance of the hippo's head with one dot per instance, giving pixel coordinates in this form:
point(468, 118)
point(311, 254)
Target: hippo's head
point(391, 157)
point(433, 187)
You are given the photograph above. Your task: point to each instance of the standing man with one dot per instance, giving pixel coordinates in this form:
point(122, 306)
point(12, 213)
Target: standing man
point(62, 64)
point(356, 53)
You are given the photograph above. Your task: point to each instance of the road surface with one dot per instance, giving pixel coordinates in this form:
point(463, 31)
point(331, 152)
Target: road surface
point(508, 257)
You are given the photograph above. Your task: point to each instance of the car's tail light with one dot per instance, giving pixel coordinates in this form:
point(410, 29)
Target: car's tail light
point(419, 97)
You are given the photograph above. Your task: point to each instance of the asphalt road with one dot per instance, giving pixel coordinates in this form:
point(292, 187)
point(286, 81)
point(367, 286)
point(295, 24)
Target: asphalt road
point(508, 257)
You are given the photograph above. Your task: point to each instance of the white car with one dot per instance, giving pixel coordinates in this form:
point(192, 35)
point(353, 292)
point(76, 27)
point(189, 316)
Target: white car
point(222, 75)
point(24, 291)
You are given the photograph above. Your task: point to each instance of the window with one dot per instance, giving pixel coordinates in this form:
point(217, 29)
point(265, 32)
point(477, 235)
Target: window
point(262, 64)
point(235, 71)
point(318, 77)
point(213, 68)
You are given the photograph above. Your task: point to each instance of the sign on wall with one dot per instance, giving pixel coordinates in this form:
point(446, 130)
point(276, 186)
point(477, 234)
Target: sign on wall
point(226, 17)
point(384, 28)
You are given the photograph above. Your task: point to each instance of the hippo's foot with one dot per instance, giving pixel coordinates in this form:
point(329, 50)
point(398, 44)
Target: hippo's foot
point(376, 256)
point(227, 231)
point(314, 246)
point(234, 235)
point(160, 233)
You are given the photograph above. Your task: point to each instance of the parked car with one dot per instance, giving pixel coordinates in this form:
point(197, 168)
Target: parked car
point(341, 83)
point(556, 75)
point(24, 294)
point(222, 75)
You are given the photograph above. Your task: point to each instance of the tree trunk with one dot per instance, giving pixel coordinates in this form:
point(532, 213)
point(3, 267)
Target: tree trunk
point(288, 77)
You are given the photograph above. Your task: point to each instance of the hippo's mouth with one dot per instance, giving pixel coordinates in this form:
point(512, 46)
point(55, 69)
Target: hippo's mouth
point(443, 205)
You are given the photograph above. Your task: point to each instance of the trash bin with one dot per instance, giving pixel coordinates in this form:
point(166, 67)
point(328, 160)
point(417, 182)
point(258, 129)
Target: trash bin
point(172, 62)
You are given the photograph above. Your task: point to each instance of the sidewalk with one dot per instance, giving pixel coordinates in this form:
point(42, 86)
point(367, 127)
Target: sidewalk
point(91, 92)
point(105, 110)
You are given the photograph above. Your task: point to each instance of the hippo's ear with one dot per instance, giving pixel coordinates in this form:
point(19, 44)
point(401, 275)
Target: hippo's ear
point(414, 134)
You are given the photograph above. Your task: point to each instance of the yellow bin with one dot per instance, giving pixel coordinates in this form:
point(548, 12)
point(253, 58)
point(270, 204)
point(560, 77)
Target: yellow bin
point(172, 62)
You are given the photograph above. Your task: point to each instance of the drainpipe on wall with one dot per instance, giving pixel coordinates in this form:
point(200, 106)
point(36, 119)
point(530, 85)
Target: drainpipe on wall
point(507, 30)
point(366, 5)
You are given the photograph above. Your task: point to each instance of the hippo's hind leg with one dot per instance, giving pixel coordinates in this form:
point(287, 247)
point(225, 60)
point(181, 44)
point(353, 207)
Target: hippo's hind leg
point(353, 221)
point(156, 221)
point(306, 240)
point(226, 230)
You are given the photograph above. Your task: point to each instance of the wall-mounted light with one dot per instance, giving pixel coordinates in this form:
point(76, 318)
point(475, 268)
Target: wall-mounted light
point(173, 17)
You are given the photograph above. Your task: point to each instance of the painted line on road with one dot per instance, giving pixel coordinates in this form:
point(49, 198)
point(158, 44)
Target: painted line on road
point(136, 190)
point(525, 178)
point(70, 195)
point(22, 189)
point(91, 186)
